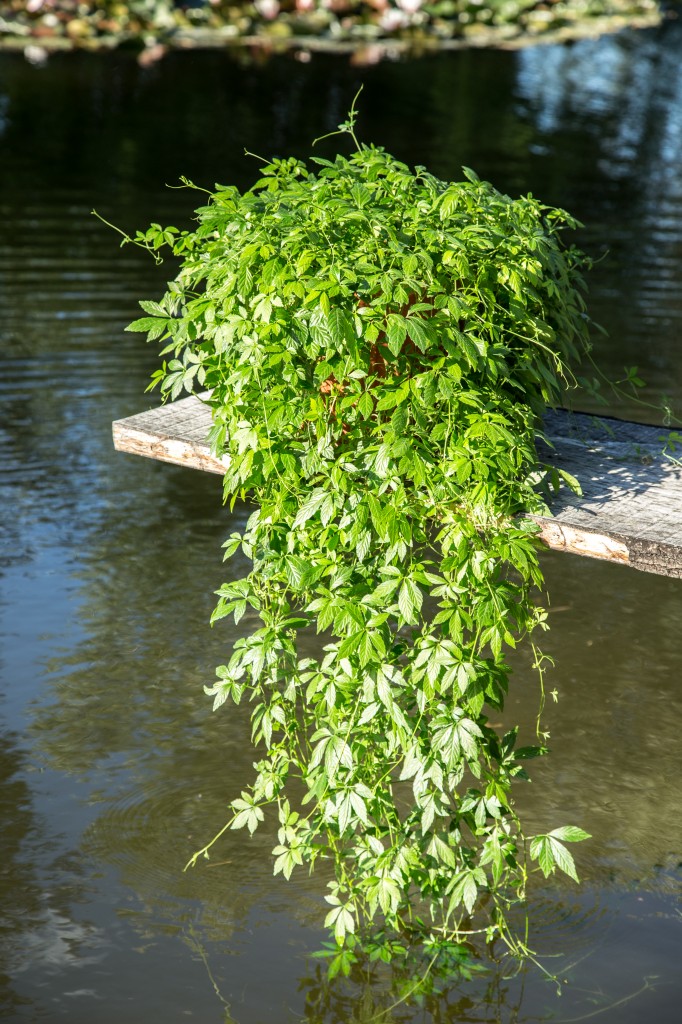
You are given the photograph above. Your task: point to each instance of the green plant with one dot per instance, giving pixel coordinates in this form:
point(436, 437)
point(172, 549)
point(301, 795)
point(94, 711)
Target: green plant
point(379, 346)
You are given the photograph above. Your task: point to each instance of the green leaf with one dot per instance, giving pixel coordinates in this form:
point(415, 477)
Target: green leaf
point(420, 332)
point(309, 508)
point(369, 712)
point(365, 405)
point(410, 601)
point(296, 571)
point(340, 327)
point(342, 921)
point(155, 308)
point(442, 852)
point(144, 324)
point(388, 400)
point(382, 460)
point(464, 891)
point(569, 833)
point(337, 753)
point(572, 482)
point(396, 332)
point(541, 850)
point(449, 202)
point(563, 859)
point(471, 175)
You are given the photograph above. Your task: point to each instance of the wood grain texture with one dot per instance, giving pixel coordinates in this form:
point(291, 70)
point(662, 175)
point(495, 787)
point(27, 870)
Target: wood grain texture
point(630, 510)
point(174, 433)
point(631, 507)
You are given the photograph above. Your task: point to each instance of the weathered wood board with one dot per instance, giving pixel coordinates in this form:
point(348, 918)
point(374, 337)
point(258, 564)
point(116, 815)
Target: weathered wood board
point(630, 510)
point(172, 433)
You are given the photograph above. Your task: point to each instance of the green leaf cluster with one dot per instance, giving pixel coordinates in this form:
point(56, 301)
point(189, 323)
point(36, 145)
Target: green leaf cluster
point(379, 347)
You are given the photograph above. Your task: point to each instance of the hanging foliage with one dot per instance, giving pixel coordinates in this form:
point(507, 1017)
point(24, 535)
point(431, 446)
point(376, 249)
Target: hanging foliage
point(379, 346)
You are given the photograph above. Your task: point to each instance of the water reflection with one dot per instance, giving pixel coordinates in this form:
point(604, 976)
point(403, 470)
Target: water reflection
point(585, 953)
point(616, 766)
point(624, 95)
point(38, 931)
point(625, 90)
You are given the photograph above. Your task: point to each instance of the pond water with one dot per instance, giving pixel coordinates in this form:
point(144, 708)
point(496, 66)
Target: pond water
point(112, 768)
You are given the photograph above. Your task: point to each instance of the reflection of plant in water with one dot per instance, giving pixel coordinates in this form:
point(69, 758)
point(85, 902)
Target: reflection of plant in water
point(39, 883)
point(377, 993)
point(603, 1003)
point(380, 346)
point(194, 942)
point(379, 989)
point(485, 989)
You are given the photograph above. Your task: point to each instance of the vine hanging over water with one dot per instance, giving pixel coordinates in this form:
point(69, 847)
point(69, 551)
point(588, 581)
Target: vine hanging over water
point(379, 346)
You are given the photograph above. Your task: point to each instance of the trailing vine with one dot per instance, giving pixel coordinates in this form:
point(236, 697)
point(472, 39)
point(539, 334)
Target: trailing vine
point(379, 347)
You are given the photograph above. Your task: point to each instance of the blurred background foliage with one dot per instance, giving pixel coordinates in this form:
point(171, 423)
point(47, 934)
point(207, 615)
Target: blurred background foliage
point(148, 23)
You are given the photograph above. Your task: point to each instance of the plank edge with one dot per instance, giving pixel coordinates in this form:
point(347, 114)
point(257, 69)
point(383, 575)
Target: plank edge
point(555, 533)
point(165, 448)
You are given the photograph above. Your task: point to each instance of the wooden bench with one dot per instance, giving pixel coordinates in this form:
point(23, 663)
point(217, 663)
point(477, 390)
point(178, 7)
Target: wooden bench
point(630, 510)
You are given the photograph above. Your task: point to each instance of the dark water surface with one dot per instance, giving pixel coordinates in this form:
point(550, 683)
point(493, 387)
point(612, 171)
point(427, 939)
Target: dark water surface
point(112, 768)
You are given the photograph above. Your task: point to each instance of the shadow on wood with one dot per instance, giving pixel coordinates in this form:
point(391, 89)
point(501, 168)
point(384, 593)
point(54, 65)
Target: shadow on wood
point(630, 510)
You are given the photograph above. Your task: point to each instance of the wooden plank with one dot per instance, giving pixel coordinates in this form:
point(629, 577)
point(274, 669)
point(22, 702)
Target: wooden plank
point(631, 507)
point(174, 433)
point(630, 511)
